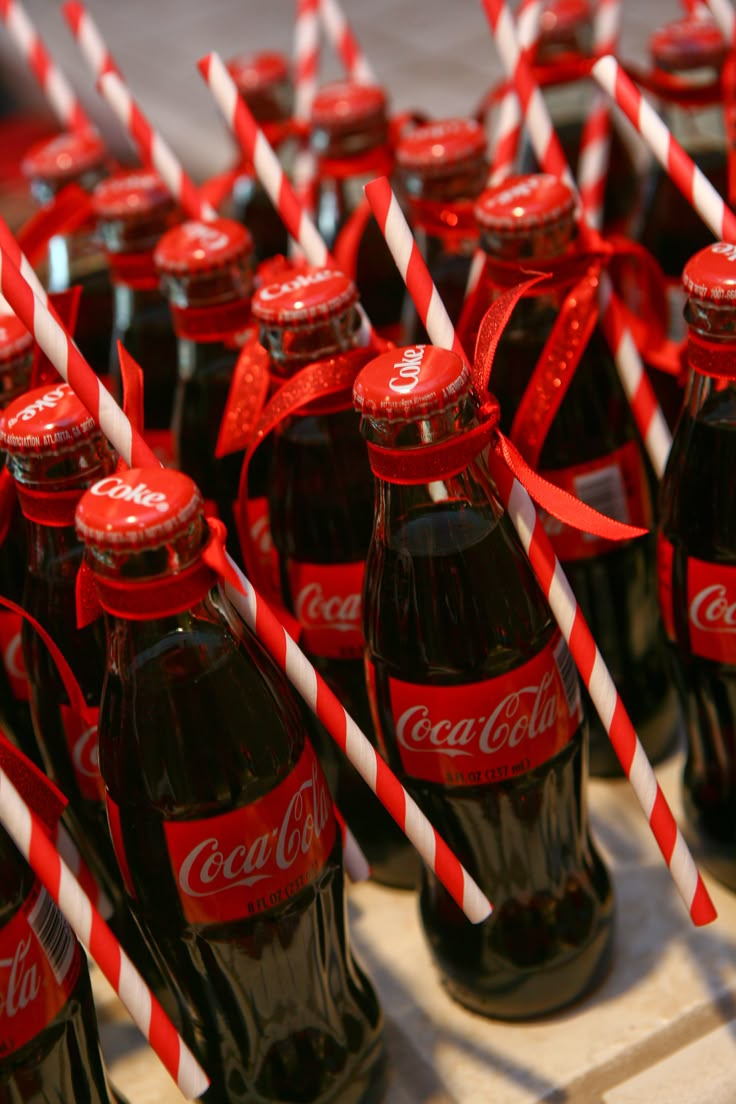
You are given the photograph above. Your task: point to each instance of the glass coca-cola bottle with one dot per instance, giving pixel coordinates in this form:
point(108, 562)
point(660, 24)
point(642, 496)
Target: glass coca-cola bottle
point(221, 816)
point(350, 139)
point(49, 1044)
point(696, 556)
point(441, 169)
point(206, 274)
point(591, 449)
point(16, 361)
point(76, 258)
point(264, 82)
point(54, 452)
point(133, 210)
point(476, 699)
point(320, 507)
point(687, 57)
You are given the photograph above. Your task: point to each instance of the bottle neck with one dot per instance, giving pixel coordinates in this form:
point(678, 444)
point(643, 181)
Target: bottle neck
point(711, 353)
point(293, 347)
point(75, 258)
point(440, 208)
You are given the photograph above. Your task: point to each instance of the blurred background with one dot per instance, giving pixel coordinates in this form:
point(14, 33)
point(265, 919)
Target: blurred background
point(433, 54)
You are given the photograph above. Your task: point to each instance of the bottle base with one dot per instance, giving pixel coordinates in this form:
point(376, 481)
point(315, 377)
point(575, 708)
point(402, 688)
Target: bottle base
point(525, 995)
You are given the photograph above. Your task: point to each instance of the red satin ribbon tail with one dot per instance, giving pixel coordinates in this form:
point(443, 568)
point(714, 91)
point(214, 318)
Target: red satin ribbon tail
point(561, 504)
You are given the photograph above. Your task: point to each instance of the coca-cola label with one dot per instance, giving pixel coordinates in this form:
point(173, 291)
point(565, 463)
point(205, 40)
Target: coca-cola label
point(81, 742)
point(615, 484)
point(39, 964)
point(254, 858)
point(711, 608)
point(327, 603)
point(665, 558)
point(261, 545)
point(485, 732)
point(12, 650)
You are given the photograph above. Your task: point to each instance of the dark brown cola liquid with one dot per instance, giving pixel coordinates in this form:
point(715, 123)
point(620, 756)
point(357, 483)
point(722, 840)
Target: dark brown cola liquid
point(617, 590)
point(321, 511)
point(62, 1064)
point(143, 324)
point(696, 501)
point(196, 721)
point(450, 600)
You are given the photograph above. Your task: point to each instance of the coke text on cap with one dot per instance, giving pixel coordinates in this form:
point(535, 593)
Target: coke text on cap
point(256, 72)
point(711, 274)
point(136, 509)
point(14, 338)
point(524, 203)
point(304, 296)
point(128, 195)
point(341, 105)
point(195, 246)
point(690, 43)
point(411, 382)
point(441, 146)
point(67, 155)
point(45, 421)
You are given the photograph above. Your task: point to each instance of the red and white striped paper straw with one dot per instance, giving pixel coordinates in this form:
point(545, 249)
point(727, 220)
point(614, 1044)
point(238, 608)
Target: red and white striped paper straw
point(508, 124)
point(684, 173)
point(556, 588)
point(69, 852)
point(152, 148)
point(725, 16)
point(129, 444)
point(33, 843)
point(62, 98)
point(345, 43)
point(89, 39)
point(595, 140)
point(306, 71)
point(647, 412)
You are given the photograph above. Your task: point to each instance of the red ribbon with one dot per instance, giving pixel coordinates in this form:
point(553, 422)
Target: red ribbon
point(219, 322)
point(69, 210)
point(40, 794)
point(134, 270)
point(711, 358)
point(417, 466)
point(55, 509)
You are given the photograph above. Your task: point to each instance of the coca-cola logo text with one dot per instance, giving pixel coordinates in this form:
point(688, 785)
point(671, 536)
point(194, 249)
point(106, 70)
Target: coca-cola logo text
point(712, 611)
point(260, 534)
point(85, 754)
point(23, 984)
point(140, 494)
point(273, 291)
point(209, 869)
point(521, 715)
point(202, 234)
point(409, 368)
point(341, 612)
point(13, 658)
point(48, 401)
point(520, 190)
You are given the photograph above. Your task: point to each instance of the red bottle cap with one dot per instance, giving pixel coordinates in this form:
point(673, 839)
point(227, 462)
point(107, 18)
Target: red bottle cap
point(711, 274)
point(345, 106)
point(46, 420)
point(138, 509)
point(202, 246)
point(256, 73)
point(410, 383)
point(523, 203)
point(304, 296)
point(440, 147)
point(560, 18)
point(131, 195)
point(14, 338)
point(688, 44)
point(64, 157)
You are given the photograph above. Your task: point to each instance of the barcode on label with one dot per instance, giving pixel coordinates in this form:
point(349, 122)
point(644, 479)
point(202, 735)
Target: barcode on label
point(54, 935)
point(569, 676)
point(603, 490)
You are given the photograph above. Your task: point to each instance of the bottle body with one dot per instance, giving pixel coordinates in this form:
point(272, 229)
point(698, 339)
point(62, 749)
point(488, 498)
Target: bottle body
point(697, 569)
point(460, 643)
point(79, 259)
point(49, 1046)
point(321, 510)
point(142, 323)
point(201, 746)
